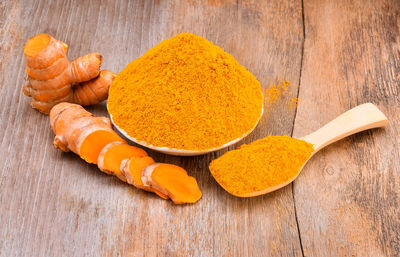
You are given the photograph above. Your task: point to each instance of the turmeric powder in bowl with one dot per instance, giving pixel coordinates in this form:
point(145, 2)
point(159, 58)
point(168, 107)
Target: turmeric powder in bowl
point(185, 93)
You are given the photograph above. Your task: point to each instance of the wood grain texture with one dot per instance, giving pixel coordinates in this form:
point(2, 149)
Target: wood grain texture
point(54, 204)
point(348, 196)
point(346, 200)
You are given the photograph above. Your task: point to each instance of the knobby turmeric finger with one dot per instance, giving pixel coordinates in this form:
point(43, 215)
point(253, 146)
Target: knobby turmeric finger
point(95, 90)
point(53, 79)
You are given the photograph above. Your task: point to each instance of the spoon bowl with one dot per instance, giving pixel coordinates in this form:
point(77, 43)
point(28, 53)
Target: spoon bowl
point(184, 152)
point(360, 118)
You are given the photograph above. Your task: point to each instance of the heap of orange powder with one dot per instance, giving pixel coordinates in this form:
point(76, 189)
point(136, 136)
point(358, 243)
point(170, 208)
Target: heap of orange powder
point(264, 163)
point(185, 93)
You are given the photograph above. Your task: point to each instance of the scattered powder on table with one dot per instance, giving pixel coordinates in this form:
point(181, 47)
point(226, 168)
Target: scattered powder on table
point(264, 163)
point(275, 92)
point(185, 93)
point(294, 102)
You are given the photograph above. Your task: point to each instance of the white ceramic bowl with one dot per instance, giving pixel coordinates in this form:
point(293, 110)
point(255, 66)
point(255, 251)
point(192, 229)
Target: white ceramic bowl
point(183, 152)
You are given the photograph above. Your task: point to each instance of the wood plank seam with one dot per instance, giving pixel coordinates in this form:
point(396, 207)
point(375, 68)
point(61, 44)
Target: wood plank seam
point(294, 119)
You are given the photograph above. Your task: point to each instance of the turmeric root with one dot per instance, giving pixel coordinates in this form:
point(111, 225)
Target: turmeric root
point(93, 139)
point(53, 79)
point(80, 131)
point(172, 181)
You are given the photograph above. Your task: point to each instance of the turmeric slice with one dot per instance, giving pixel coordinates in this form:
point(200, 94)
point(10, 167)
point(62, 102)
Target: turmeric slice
point(52, 78)
point(100, 159)
point(132, 170)
point(113, 154)
point(94, 142)
point(173, 181)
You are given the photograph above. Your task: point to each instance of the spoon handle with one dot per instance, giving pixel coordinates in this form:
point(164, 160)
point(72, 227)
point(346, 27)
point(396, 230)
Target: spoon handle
point(362, 117)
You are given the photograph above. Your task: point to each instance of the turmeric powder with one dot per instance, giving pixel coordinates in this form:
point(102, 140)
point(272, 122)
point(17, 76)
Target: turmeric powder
point(261, 164)
point(276, 91)
point(185, 93)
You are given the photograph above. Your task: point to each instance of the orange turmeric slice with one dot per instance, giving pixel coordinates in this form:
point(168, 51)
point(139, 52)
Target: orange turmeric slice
point(172, 181)
point(113, 154)
point(132, 169)
point(94, 142)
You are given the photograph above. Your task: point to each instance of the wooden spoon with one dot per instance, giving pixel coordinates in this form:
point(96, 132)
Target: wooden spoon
point(362, 117)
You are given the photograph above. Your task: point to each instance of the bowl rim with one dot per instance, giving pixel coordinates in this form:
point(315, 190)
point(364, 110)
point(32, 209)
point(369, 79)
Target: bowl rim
point(183, 152)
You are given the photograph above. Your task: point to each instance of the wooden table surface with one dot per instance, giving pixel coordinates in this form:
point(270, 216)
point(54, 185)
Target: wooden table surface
point(337, 54)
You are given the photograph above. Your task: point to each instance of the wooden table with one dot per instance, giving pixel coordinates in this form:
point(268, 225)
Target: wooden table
point(337, 54)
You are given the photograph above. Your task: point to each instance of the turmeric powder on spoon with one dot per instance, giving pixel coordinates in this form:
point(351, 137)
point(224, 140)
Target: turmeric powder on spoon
point(273, 162)
point(185, 93)
point(264, 163)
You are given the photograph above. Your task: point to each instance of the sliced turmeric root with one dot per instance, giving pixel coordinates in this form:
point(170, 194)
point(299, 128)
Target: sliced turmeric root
point(79, 131)
point(173, 181)
point(93, 139)
point(111, 156)
point(132, 169)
